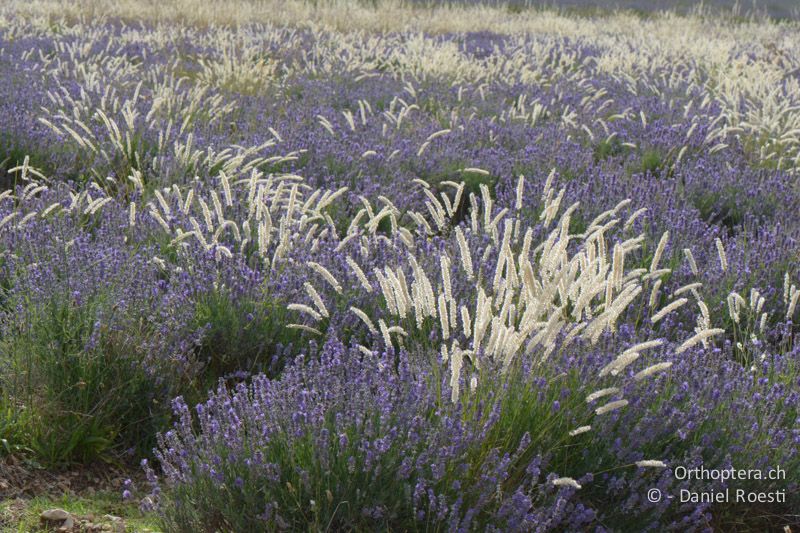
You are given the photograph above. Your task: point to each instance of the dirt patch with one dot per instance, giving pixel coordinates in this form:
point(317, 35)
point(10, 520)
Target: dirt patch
point(12, 513)
point(21, 480)
point(90, 489)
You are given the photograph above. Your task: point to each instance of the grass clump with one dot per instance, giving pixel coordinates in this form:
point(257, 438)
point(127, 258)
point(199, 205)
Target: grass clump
point(608, 148)
point(81, 387)
point(240, 333)
point(651, 162)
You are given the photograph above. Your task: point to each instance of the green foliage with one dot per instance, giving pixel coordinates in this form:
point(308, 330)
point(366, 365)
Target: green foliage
point(652, 161)
point(79, 389)
point(606, 149)
point(12, 154)
point(546, 406)
point(474, 180)
point(578, 224)
point(14, 426)
point(385, 226)
point(730, 206)
point(240, 334)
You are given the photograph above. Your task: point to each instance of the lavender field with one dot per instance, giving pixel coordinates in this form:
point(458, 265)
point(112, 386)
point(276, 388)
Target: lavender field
point(382, 266)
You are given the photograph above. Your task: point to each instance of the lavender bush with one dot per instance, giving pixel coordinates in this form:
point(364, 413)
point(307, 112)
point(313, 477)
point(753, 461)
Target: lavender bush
point(348, 441)
point(442, 267)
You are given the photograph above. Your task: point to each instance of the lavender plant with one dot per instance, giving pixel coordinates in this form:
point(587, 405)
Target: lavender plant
point(485, 270)
point(352, 441)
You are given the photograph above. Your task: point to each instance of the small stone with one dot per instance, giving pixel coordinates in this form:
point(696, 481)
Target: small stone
point(117, 524)
point(67, 526)
point(54, 515)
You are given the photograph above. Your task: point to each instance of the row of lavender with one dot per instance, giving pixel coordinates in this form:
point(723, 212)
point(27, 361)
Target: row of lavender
point(445, 282)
